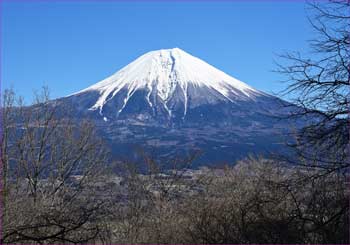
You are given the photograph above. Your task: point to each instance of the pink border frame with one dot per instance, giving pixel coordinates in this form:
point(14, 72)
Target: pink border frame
point(136, 1)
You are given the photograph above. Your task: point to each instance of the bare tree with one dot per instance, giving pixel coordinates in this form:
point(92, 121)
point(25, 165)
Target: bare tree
point(52, 168)
point(320, 85)
point(261, 201)
point(147, 213)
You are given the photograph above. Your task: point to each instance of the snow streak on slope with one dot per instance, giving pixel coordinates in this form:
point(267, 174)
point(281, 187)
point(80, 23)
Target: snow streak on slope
point(164, 71)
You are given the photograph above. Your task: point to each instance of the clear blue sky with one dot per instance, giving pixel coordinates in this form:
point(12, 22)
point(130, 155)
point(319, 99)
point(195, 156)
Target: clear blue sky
point(71, 45)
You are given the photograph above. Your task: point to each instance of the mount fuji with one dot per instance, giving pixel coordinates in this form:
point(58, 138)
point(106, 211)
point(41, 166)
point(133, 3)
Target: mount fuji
point(171, 102)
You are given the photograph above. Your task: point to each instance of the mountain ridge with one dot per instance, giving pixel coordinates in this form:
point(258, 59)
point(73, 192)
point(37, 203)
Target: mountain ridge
point(173, 102)
point(170, 78)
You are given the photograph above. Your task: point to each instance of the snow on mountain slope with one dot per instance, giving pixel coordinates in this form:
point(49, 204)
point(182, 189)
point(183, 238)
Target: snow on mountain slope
point(170, 75)
point(173, 102)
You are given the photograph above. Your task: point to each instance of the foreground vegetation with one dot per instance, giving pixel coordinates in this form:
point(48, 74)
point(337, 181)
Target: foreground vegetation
point(256, 201)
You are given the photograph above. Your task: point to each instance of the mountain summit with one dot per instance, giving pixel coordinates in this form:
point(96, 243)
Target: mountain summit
point(173, 102)
point(167, 82)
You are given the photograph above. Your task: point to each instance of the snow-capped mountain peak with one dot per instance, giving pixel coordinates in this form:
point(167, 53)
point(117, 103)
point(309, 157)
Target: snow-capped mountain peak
point(170, 103)
point(167, 74)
